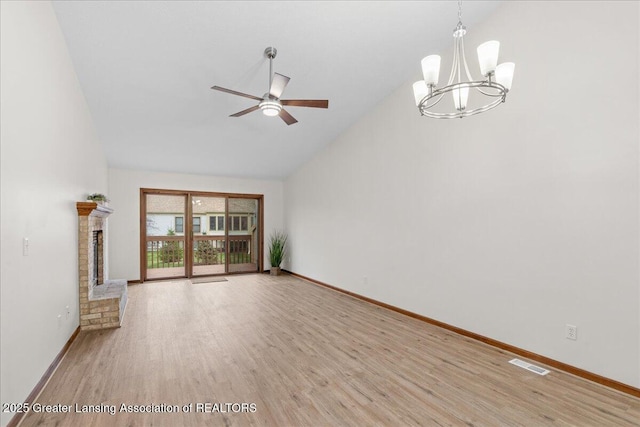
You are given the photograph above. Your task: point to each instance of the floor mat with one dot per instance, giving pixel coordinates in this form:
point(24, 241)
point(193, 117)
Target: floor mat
point(208, 280)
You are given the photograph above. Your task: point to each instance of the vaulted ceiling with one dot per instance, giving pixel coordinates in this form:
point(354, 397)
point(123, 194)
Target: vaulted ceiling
point(146, 69)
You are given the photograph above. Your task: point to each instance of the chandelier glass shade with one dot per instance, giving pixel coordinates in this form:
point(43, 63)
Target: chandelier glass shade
point(467, 96)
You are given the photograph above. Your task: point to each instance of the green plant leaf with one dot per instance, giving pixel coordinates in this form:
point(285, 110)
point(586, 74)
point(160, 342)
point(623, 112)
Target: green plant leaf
point(277, 247)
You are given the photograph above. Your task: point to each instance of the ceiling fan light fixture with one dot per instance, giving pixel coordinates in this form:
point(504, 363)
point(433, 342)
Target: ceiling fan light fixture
point(270, 107)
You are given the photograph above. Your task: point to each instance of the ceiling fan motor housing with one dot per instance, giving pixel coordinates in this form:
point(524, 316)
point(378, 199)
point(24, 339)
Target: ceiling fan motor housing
point(270, 52)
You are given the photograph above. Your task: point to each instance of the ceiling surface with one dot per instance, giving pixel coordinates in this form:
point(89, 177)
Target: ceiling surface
point(146, 69)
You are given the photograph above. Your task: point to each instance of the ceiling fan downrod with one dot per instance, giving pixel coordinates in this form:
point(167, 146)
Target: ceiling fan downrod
point(270, 53)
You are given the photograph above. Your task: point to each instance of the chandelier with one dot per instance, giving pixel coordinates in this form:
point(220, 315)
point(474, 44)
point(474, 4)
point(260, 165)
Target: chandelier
point(487, 93)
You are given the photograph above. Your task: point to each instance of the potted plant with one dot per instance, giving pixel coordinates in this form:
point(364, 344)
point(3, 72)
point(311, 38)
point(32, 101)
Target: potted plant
point(99, 198)
point(277, 250)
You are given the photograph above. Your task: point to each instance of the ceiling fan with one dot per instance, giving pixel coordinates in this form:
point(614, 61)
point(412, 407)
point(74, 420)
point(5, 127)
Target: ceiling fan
point(270, 103)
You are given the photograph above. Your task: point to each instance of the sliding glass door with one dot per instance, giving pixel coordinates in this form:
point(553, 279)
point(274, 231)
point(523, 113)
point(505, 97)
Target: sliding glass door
point(209, 235)
point(242, 235)
point(187, 234)
point(165, 239)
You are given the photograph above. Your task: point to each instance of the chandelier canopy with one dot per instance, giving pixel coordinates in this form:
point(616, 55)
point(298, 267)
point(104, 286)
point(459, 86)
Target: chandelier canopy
point(487, 93)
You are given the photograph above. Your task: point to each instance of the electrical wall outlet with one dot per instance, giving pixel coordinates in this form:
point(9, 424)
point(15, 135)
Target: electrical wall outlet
point(571, 332)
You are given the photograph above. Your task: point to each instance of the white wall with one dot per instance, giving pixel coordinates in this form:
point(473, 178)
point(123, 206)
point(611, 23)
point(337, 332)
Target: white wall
point(509, 224)
point(51, 158)
point(124, 223)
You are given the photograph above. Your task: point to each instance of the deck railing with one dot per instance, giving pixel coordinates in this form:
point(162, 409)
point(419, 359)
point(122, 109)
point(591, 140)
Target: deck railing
point(208, 250)
point(165, 251)
point(168, 251)
point(240, 249)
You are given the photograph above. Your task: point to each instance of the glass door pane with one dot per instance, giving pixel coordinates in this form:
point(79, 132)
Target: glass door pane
point(243, 234)
point(165, 236)
point(209, 234)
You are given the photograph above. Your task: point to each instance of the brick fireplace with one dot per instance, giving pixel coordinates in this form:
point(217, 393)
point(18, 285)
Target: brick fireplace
point(102, 302)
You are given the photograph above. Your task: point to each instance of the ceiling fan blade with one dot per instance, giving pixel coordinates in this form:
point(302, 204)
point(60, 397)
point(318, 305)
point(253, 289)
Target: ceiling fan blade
point(278, 84)
point(288, 118)
point(233, 92)
point(247, 111)
point(314, 103)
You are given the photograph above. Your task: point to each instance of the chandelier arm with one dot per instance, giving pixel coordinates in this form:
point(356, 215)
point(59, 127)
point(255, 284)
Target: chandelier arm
point(464, 59)
point(454, 65)
point(460, 53)
point(439, 94)
point(458, 93)
point(471, 84)
point(484, 108)
point(461, 114)
point(502, 91)
point(424, 101)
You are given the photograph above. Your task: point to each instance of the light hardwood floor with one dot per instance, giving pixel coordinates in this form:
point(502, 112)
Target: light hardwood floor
point(306, 356)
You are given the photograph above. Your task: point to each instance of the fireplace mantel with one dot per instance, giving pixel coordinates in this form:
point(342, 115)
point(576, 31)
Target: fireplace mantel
point(93, 209)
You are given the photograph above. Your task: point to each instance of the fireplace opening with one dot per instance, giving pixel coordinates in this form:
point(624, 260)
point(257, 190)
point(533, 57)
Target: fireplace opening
point(97, 274)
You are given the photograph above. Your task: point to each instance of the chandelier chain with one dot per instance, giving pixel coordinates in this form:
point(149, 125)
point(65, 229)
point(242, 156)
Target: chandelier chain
point(459, 12)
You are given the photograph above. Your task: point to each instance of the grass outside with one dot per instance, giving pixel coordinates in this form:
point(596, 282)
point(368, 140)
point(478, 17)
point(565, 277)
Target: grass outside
point(154, 261)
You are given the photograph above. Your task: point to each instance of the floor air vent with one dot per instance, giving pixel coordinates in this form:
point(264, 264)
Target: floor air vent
point(529, 367)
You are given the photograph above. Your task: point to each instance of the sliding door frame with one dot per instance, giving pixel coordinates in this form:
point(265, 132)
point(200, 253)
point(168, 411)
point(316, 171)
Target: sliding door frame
point(188, 225)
